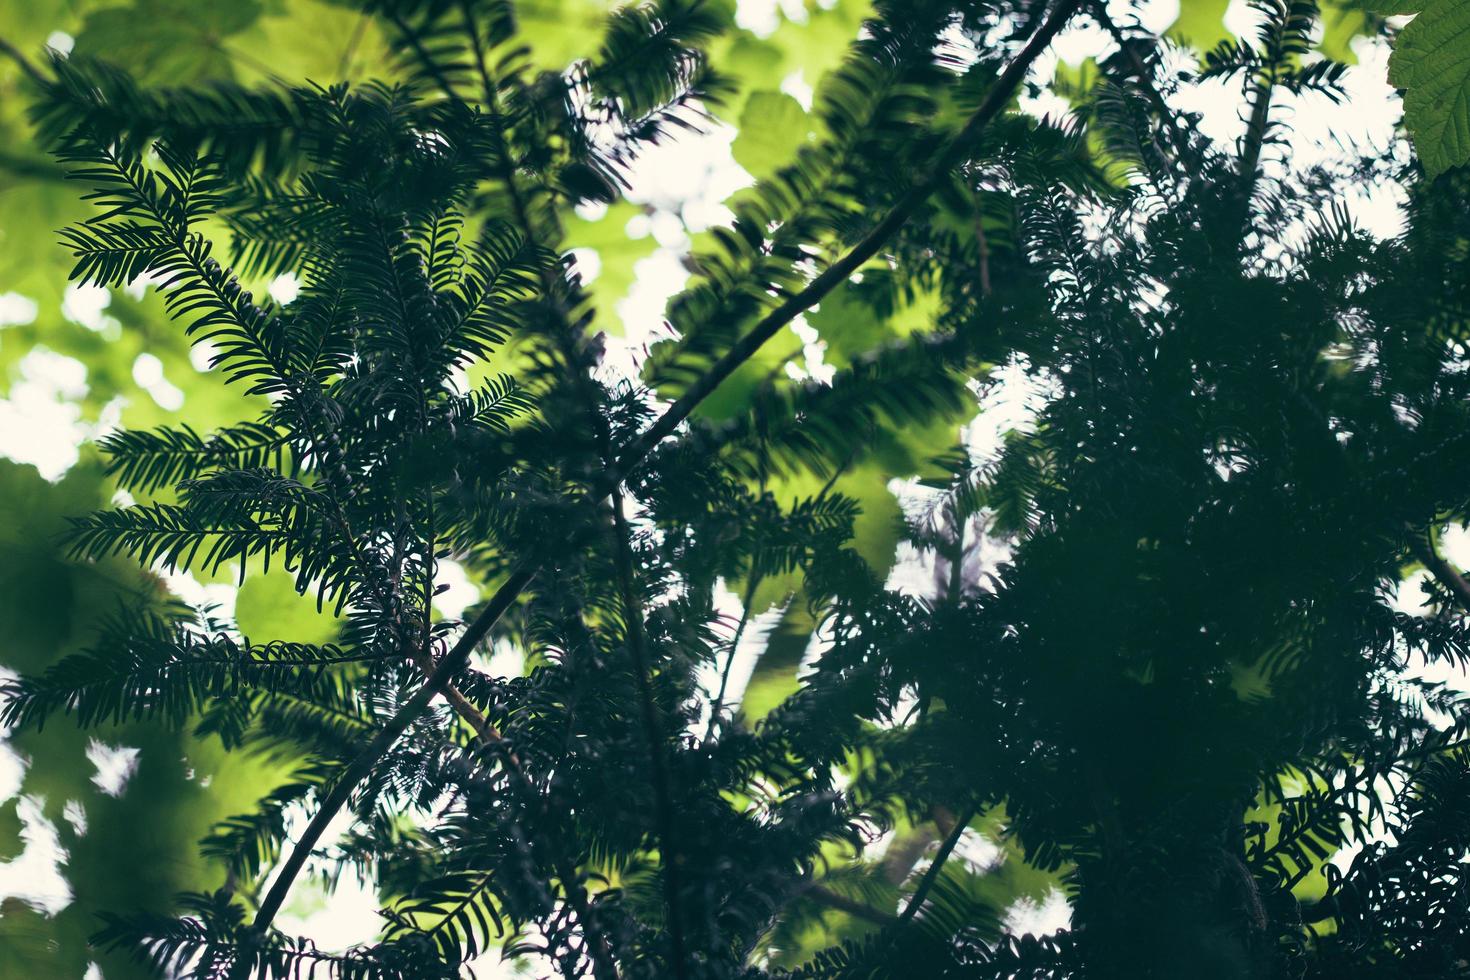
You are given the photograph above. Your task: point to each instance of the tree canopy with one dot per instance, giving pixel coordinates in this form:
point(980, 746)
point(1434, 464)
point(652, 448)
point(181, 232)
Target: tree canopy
point(1014, 507)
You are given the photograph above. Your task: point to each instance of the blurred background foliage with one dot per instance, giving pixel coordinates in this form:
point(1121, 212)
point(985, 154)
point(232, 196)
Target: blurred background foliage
point(133, 844)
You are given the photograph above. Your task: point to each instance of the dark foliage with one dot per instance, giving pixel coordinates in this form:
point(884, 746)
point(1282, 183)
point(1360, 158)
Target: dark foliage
point(1183, 691)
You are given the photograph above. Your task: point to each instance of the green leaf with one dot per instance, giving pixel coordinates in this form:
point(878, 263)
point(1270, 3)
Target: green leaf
point(1201, 23)
point(1341, 23)
point(617, 254)
point(268, 607)
point(772, 126)
point(1431, 62)
point(170, 42)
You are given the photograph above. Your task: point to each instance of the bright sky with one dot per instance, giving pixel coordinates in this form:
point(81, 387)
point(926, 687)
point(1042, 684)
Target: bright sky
point(684, 183)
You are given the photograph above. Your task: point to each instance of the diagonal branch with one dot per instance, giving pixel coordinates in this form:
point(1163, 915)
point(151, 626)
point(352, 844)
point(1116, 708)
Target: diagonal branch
point(361, 766)
point(26, 65)
point(995, 101)
point(921, 894)
point(838, 272)
point(1445, 573)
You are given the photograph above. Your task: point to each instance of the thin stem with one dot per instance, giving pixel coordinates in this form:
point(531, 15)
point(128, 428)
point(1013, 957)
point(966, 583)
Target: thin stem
point(1255, 139)
point(507, 165)
point(363, 764)
point(506, 596)
point(921, 894)
point(841, 469)
point(1145, 80)
point(648, 709)
point(1259, 124)
point(719, 703)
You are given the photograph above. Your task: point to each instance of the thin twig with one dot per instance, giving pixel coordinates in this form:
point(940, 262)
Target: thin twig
point(996, 99)
point(921, 894)
point(1259, 124)
point(1099, 12)
point(363, 764)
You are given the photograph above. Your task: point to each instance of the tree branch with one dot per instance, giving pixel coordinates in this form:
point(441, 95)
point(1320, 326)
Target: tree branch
point(838, 272)
point(1443, 572)
point(996, 99)
point(921, 894)
point(361, 766)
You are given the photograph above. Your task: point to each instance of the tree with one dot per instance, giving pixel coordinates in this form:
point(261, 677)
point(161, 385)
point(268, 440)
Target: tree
point(1179, 697)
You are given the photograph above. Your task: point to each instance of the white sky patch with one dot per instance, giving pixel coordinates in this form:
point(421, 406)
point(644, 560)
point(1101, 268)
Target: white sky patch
point(86, 305)
point(1411, 596)
point(668, 230)
point(13, 767)
point(200, 356)
point(813, 354)
point(796, 86)
point(1009, 405)
point(284, 288)
point(115, 765)
point(506, 660)
point(912, 573)
point(60, 42)
point(139, 284)
point(762, 17)
point(34, 876)
point(17, 310)
point(819, 643)
point(1077, 43)
point(591, 210)
point(588, 264)
point(217, 597)
point(638, 226)
point(1051, 914)
point(1241, 20)
point(345, 917)
point(461, 594)
point(696, 168)
point(40, 422)
point(148, 375)
point(1454, 544)
point(656, 279)
point(979, 851)
point(76, 815)
point(1155, 16)
point(752, 644)
point(94, 972)
point(489, 965)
